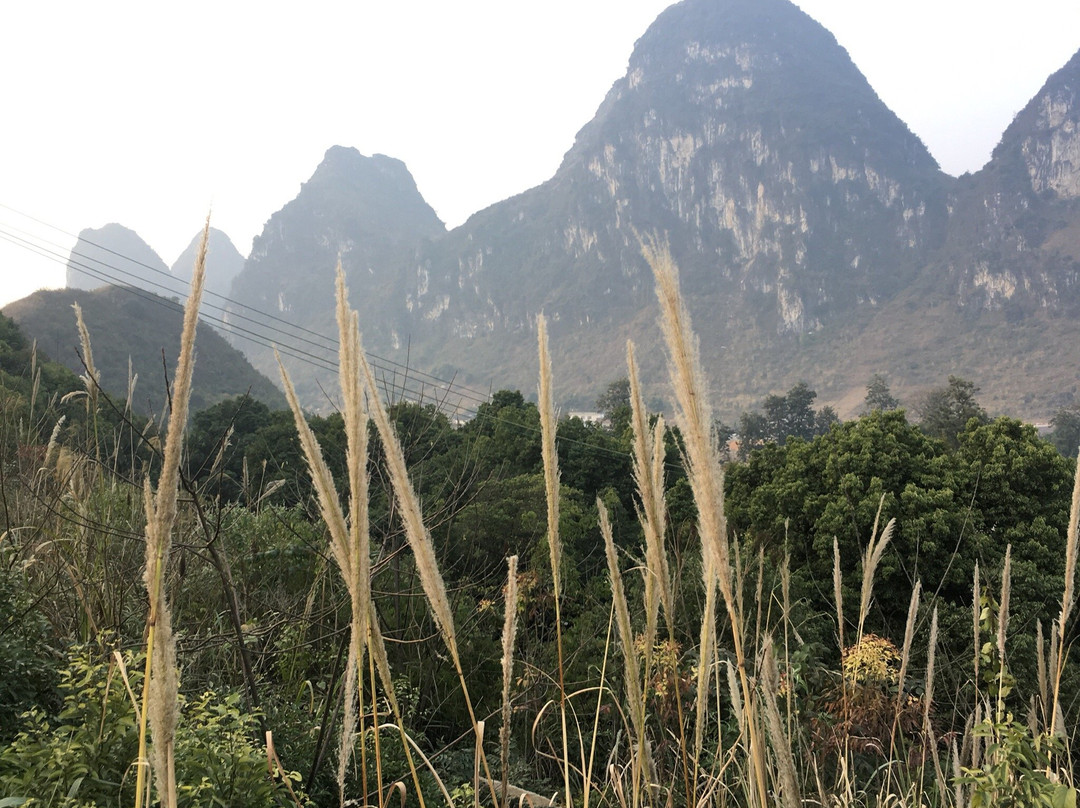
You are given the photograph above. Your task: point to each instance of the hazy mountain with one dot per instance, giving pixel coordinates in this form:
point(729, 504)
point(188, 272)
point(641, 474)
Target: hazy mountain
point(113, 254)
point(816, 237)
point(146, 328)
point(223, 263)
point(365, 211)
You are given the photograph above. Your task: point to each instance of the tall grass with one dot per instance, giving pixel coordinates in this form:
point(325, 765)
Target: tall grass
point(739, 733)
point(160, 680)
point(749, 745)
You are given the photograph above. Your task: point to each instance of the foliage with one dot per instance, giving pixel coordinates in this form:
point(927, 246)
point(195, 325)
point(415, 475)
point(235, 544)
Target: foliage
point(1066, 430)
point(1014, 772)
point(878, 395)
point(782, 418)
point(945, 411)
point(614, 402)
point(85, 754)
point(30, 675)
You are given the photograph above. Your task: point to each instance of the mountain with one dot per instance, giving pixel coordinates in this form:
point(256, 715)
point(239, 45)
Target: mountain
point(113, 254)
point(127, 323)
point(365, 212)
point(223, 263)
point(816, 237)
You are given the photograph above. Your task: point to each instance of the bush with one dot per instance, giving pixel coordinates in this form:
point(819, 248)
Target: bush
point(85, 755)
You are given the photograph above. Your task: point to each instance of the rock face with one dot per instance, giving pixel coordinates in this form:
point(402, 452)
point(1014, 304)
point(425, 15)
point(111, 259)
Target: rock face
point(223, 263)
point(115, 255)
point(815, 235)
point(365, 212)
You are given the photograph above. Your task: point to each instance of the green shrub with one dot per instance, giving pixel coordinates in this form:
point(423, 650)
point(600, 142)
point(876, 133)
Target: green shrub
point(85, 755)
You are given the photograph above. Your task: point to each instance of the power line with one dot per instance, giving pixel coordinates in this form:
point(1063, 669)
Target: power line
point(105, 272)
point(331, 342)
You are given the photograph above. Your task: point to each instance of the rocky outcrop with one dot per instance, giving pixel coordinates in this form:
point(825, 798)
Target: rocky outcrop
point(816, 237)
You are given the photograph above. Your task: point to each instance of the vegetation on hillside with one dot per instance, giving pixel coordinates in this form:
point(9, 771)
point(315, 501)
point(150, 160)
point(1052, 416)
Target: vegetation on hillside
point(868, 613)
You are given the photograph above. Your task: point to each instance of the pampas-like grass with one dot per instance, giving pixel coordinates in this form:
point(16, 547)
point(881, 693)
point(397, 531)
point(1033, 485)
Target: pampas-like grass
point(412, 518)
point(508, 635)
point(632, 665)
point(928, 691)
point(785, 762)
point(551, 489)
point(160, 684)
point(91, 379)
point(871, 558)
point(1072, 539)
point(1003, 611)
point(349, 539)
point(648, 460)
point(706, 476)
point(550, 456)
point(838, 593)
point(976, 614)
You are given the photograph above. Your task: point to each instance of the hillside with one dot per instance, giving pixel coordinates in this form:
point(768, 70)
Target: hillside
point(146, 328)
point(816, 236)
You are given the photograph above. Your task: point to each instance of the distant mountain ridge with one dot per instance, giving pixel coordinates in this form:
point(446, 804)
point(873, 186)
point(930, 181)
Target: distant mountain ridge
point(817, 238)
point(223, 262)
point(147, 329)
point(114, 254)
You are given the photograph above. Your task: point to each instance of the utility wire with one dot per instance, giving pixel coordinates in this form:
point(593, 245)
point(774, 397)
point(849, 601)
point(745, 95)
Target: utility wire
point(109, 273)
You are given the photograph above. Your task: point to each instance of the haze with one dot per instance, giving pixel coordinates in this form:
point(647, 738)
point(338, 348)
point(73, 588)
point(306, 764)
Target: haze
point(150, 115)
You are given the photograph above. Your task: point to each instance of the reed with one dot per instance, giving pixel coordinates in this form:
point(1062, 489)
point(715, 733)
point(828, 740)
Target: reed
point(635, 702)
point(706, 476)
point(160, 680)
point(551, 489)
point(1068, 597)
point(508, 636)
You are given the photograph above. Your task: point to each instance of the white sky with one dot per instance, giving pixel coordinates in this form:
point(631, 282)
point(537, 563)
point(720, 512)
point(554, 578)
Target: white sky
point(148, 114)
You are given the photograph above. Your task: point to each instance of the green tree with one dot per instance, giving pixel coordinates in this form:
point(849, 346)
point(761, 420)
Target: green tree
point(879, 396)
point(1066, 434)
point(614, 402)
point(945, 411)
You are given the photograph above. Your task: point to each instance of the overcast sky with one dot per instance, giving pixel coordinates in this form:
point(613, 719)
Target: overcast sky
point(149, 114)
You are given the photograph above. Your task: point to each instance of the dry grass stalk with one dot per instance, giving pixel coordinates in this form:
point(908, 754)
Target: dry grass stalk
point(648, 460)
point(551, 488)
point(349, 538)
point(636, 703)
point(508, 635)
point(704, 469)
point(928, 691)
point(91, 379)
point(871, 558)
point(838, 594)
point(706, 641)
point(419, 538)
point(1068, 597)
point(356, 553)
point(412, 518)
point(909, 633)
point(976, 614)
point(1040, 673)
point(377, 648)
point(160, 683)
point(550, 456)
point(785, 762)
point(1003, 611)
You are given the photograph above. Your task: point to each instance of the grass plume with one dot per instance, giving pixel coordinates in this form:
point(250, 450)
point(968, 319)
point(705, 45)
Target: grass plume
point(160, 683)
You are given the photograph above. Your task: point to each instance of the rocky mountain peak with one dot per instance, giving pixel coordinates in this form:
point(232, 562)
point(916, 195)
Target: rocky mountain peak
point(1045, 136)
point(223, 262)
point(115, 255)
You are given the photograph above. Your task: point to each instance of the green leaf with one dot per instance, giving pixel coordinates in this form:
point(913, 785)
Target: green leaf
point(74, 789)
